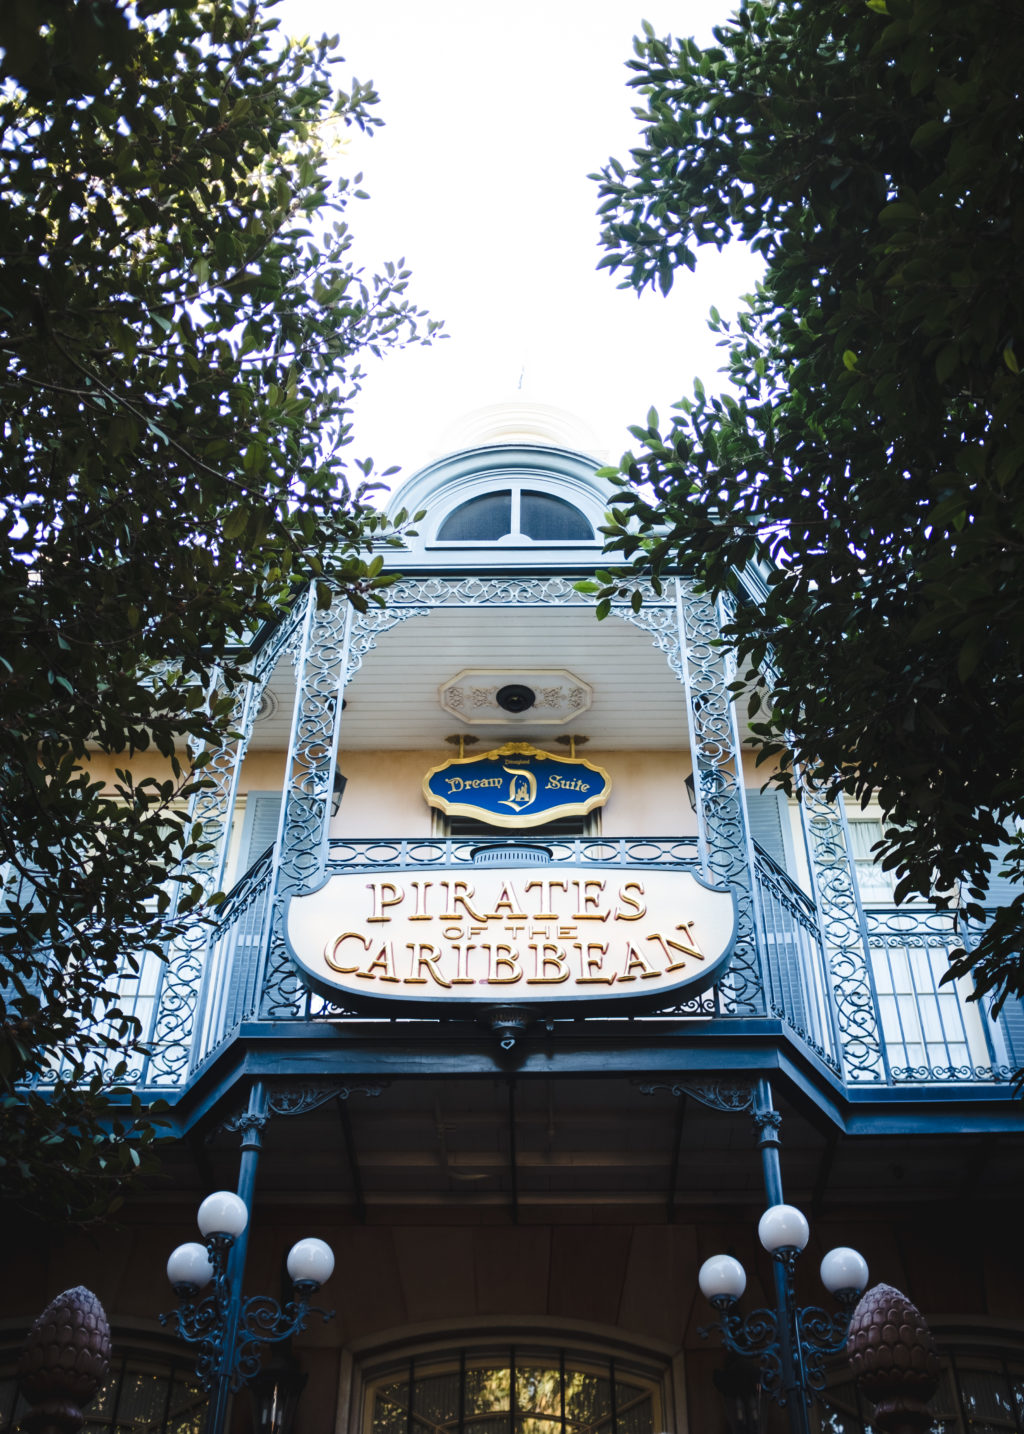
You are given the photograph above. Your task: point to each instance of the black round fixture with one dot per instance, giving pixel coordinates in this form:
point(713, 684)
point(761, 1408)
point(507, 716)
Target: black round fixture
point(515, 697)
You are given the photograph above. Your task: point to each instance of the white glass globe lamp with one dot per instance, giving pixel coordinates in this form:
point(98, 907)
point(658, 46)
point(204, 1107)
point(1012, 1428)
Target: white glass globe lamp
point(222, 1213)
point(722, 1279)
point(311, 1262)
point(844, 1271)
point(782, 1228)
point(189, 1268)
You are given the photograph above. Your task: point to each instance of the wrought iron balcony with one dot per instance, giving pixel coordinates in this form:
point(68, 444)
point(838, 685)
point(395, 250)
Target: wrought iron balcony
point(928, 1032)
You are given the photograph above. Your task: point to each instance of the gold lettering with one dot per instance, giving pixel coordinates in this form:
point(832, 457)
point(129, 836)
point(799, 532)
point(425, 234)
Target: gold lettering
point(627, 901)
point(458, 784)
point(590, 964)
point(380, 965)
point(497, 962)
point(422, 954)
point(420, 889)
point(637, 961)
point(588, 900)
point(381, 902)
point(462, 976)
point(686, 949)
point(508, 903)
point(331, 952)
point(547, 955)
point(459, 893)
point(566, 784)
point(551, 883)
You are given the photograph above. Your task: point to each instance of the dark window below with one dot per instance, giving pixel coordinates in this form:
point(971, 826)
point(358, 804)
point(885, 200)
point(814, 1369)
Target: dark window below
point(561, 826)
point(524, 1391)
point(142, 1393)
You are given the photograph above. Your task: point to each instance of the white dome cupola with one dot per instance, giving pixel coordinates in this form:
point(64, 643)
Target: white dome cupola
point(516, 497)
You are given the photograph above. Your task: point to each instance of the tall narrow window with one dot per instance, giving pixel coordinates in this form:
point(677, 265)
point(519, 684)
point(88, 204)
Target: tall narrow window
point(876, 886)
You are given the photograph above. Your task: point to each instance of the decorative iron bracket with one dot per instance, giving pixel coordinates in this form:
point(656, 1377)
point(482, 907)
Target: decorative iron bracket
point(731, 1096)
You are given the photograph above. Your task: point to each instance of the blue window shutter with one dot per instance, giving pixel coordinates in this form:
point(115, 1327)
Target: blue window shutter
point(1000, 891)
point(768, 814)
point(259, 826)
point(259, 832)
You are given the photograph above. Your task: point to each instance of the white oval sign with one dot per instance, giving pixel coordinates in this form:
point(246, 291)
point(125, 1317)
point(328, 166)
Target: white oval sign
point(551, 935)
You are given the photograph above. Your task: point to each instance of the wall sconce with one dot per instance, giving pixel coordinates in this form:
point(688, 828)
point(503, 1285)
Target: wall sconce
point(337, 792)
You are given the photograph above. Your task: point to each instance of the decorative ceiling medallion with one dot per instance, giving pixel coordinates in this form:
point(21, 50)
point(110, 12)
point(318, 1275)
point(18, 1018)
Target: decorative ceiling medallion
point(268, 705)
point(493, 696)
point(516, 786)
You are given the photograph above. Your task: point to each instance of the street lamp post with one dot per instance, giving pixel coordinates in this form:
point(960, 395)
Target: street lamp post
point(790, 1343)
point(229, 1330)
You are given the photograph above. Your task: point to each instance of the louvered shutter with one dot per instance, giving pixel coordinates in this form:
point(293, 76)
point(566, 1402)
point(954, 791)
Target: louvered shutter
point(1000, 891)
point(768, 815)
point(259, 832)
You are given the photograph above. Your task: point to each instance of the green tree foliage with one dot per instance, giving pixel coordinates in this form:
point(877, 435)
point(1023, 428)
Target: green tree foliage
point(180, 327)
point(868, 464)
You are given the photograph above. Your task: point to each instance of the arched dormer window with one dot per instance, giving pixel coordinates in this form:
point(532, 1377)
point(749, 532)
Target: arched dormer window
point(516, 515)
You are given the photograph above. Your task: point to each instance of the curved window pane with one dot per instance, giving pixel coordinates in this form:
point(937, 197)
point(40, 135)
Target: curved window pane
point(975, 1396)
point(488, 1389)
point(481, 520)
point(142, 1395)
point(553, 520)
point(538, 1390)
point(528, 1392)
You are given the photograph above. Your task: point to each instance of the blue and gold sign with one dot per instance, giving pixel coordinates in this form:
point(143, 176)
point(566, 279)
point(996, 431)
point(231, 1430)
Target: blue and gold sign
point(516, 786)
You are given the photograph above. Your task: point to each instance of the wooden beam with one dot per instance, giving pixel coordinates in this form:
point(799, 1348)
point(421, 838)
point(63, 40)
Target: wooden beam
point(673, 1171)
point(512, 1162)
point(828, 1156)
point(358, 1199)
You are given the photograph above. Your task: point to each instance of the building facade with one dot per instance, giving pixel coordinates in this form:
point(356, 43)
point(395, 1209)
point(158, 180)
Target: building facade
point(521, 986)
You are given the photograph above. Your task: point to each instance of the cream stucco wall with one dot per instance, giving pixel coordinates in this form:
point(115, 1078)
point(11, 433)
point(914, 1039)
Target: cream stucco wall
point(384, 796)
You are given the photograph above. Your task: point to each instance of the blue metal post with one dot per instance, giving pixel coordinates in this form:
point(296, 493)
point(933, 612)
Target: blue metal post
point(768, 1122)
point(251, 1126)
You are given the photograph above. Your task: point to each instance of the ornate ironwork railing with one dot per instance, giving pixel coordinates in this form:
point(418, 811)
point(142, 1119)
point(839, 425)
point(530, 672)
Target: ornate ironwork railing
point(450, 851)
point(232, 982)
point(231, 978)
point(283, 999)
point(931, 1031)
point(796, 977)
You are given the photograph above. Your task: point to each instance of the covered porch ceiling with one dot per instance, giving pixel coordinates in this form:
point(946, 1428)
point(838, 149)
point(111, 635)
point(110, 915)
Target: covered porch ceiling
point(394, 700)
point(545, 1148)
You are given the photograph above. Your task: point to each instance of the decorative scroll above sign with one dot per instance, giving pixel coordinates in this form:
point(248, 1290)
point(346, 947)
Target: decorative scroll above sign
point(516, 786)
point(589, 937)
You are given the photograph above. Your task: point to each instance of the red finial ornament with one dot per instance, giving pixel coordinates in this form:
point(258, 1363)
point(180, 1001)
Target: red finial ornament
point(894, 1361)
point(64, 1362)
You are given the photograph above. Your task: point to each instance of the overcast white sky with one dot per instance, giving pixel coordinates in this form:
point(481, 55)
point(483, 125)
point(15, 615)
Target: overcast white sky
point(495, 113)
